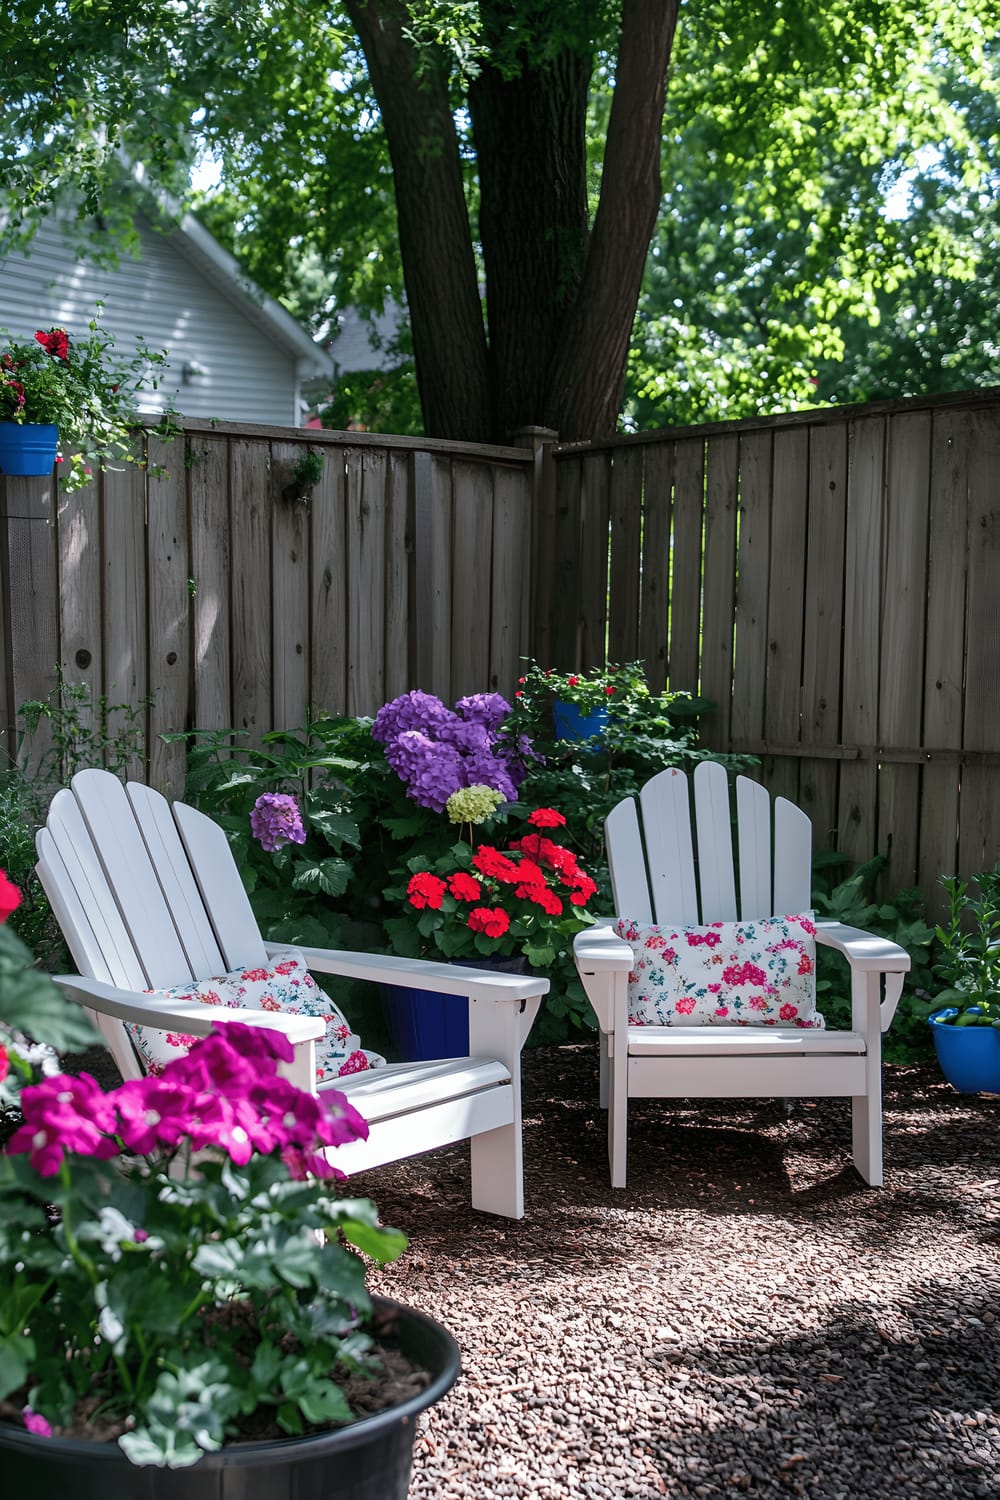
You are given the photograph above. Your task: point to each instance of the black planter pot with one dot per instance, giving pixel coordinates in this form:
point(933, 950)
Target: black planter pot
point(369, 1460)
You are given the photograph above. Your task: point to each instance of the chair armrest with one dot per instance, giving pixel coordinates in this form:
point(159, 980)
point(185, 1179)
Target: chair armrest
point(869, 957)
point(604, 962)
point(420, 974)
point(190, 1016)
point(864, 950)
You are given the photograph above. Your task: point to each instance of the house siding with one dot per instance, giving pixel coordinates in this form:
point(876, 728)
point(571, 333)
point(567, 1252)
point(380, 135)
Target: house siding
point(198, 315)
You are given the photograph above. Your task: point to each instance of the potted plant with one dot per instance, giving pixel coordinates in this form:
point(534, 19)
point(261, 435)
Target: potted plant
point(62, 392)
point(180, 1287)
point(965, 1023)
point(581, 701)
point(489, 899)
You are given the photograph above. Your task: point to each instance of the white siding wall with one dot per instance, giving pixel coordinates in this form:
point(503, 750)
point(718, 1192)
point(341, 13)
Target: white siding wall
point(174, 304)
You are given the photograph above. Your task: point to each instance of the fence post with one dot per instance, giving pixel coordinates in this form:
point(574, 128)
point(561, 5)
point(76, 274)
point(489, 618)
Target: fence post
point(541, 441)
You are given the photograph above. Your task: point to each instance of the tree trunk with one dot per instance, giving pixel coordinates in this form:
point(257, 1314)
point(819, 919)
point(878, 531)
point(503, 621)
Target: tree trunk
point(588, 373)
point(439, 268)
point(561, 299)
point(530, 137)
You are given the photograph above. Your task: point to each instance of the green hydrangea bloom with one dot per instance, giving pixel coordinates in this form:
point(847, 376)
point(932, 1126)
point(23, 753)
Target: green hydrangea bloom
point(473, 804)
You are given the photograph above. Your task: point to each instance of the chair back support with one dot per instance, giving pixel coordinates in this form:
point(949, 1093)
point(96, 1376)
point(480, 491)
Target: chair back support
point(690, 852)
point(118, 866)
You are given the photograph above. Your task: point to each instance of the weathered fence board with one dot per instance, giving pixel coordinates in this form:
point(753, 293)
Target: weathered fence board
point(721, 505)
point(169, 562)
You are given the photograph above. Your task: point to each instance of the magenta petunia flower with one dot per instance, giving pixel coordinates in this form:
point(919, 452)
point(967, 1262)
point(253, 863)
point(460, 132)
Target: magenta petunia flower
point(64, 1114)
point(36, 1423)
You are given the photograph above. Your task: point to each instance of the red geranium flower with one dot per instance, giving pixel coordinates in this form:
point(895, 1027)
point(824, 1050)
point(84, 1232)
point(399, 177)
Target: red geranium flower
point(56, 342)
point(493, 921)
point(463, 887)
point(425, 889)
point(496, 866)
point(546, 817)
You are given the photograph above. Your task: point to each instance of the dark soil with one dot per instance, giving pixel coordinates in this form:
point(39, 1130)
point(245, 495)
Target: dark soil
point(747, 1317)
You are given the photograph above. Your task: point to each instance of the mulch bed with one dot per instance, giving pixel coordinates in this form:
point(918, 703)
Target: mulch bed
point(746, 1317)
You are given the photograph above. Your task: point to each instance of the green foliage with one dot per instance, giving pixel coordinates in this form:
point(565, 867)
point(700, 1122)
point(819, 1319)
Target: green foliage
point(774, 266)
point(22, 812)
point(32, 1006)
point(80, 730)
point(902, 919)
point(778, 278)
point(308, 469)
point(968, 960)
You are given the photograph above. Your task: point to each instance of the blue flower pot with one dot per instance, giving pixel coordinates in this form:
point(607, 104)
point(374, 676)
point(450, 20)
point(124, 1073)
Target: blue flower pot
point(572, 723)
point(28, 449)
point(427, 1024)
point(969, 1055)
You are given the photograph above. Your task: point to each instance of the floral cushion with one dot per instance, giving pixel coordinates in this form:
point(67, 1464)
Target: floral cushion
point(759, 973)
point(287, 986)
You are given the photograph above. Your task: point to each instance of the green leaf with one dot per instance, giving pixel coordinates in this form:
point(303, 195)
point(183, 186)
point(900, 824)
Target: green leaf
point(327, 875)
point(31, 1003)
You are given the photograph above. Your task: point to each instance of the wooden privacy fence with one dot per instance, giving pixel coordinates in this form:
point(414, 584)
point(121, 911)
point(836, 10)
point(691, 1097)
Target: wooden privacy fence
point(228, 605)
point(831, 580)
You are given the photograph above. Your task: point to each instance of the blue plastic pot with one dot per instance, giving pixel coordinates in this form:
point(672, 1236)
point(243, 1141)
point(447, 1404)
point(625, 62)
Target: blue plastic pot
point(28, 449)
point(969, 1055)
point(572, 723)
point(427, 1024)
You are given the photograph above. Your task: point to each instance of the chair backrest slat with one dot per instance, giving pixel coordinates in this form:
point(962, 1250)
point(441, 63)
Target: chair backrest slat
point(629, 885)
point(222, 891)
point(716, 876)
point(179, 887)
point(73, 879)
point(792, 858)
point(753, 823)
point(131, 876)
point(666, 817)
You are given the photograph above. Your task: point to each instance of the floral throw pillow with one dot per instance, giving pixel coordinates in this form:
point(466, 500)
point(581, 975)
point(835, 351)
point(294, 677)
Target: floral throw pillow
point(286, 986)
point(759, 973)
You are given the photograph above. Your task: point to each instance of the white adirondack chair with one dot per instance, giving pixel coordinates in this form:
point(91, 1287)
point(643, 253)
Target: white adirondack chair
point(149, 896)
point(678, 867)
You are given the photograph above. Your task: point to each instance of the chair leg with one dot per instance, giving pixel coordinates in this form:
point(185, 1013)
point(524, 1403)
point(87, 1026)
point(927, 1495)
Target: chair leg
point(604, 1086)
point(618, 1120)
point(498, 1171)
point(866, 1136)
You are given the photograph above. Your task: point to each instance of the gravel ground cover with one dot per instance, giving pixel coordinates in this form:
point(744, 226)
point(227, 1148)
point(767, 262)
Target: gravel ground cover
point(745, 1318)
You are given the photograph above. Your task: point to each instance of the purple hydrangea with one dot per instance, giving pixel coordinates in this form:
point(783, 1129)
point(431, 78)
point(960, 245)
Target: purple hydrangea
point(276, 820)
point(432, 770)
point(436, 751)
point(488, 709)
point(412, 711)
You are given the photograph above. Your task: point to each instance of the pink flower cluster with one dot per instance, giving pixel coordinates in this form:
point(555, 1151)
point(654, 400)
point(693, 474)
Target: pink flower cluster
point(225, 1093)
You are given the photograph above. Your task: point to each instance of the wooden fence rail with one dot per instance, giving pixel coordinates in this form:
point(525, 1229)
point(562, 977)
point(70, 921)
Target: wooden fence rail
point(831, 581)
point(207, 591)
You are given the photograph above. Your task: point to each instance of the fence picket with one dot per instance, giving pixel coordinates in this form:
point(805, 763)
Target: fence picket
point(721, 503)
point(126, 602)
point(902, 650)
point(822, 641)
point(169, 615)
